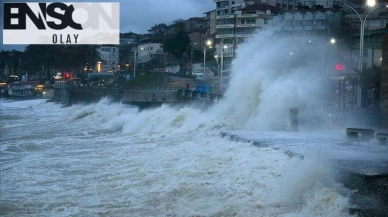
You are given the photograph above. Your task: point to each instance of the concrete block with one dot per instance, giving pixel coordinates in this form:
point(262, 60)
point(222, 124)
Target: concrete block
point(360, 133)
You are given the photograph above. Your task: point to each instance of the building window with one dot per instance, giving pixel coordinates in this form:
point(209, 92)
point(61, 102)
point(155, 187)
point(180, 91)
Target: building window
point(265, 21)
point(245, 30)
point(228, 41)
point(225, 21)
point(251, 21)
point(222, 4)
point(374, 23)
point(225, 31)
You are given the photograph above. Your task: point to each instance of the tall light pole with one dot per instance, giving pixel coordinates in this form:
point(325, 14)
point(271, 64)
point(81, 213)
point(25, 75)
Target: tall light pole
point(332, 41)
point(208, 43)
point(134, 62)
point(363, 19)
point(218, 65)
point(222, 64)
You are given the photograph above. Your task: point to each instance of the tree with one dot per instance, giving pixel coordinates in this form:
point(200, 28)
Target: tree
point(177, 45)
point(158, 28)
point(42, 59)
point(13, 61)
point(178, 25)
point(126, 54)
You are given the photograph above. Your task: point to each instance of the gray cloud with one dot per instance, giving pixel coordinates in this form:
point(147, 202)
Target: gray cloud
point(139, 15)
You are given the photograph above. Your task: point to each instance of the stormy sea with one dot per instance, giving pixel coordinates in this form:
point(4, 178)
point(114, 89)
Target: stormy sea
point(112, 159)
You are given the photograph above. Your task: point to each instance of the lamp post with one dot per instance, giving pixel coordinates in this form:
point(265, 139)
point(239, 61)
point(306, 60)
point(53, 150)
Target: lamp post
point(222, 64)
point(208, 43)
point(362, 18)
point(218, 65)
point(332, 41)
point(134, 62)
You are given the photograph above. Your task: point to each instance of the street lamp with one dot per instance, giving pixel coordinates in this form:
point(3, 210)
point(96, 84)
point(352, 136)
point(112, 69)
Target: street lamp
point(369, 3)
point(134, 62)
point(218, 65)
point(222, 63)
point(208, 43)
point(332, 41)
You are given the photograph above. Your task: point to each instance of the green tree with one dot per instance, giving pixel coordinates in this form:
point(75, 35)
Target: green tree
point(43, 59)
point(126, 54)
point(13, 61)
point(177, 45)
point(178, 26)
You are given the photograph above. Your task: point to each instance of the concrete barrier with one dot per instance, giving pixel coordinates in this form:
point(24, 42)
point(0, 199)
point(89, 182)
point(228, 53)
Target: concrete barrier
point(360, 133)
point(169, 96)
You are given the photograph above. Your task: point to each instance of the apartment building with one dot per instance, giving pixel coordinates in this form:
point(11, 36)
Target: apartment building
point(109, 56)
point(145, 52)
point(294, 4)
point(240, 23)
point(211, 17)
point(325, 22)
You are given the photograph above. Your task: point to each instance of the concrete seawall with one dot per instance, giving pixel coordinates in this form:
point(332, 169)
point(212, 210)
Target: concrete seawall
point(93, 94)
point(369, 178)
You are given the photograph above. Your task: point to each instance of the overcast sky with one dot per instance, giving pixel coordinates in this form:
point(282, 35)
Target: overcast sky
point(139, 15)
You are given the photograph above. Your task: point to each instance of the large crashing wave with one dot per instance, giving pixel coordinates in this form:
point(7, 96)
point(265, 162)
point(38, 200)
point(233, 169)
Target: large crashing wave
point(269, 76)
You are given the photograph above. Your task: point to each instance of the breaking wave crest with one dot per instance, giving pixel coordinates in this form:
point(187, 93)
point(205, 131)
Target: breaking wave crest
point(268, 78)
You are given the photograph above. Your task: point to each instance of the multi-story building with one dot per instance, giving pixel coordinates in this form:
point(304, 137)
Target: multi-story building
point(241, 23)
point(146, 52)
point(109, 56)
point(211, 17)
point(325, 22)
point(295, 4)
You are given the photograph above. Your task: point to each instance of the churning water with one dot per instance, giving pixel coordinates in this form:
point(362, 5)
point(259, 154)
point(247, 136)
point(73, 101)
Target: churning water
point(109, 159)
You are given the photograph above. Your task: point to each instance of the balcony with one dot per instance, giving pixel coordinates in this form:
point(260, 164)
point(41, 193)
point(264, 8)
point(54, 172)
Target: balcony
point(225, 16)
point(224, 35)
point(246, 15)
point(245, 35)
point(246, 25)
point(228, 55)
point(224, 26)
